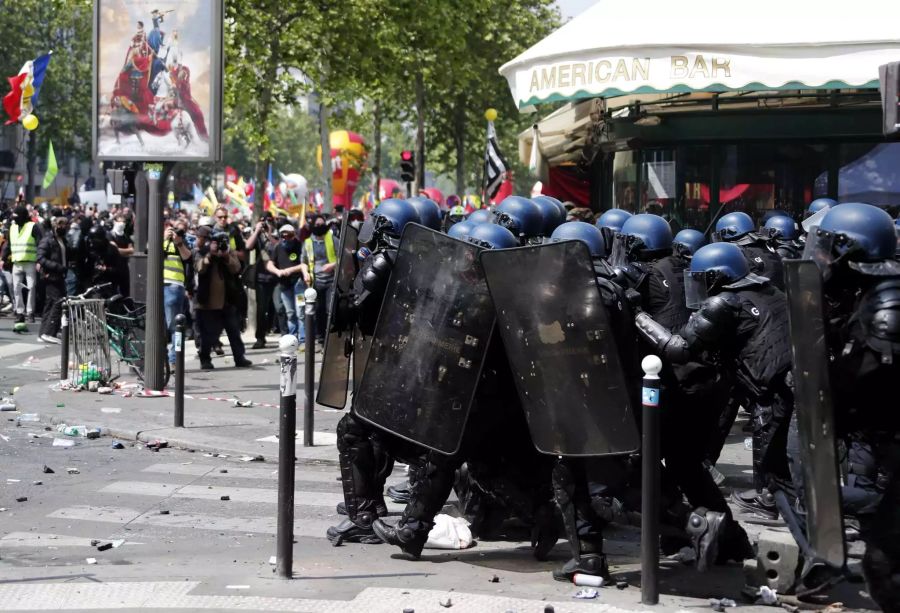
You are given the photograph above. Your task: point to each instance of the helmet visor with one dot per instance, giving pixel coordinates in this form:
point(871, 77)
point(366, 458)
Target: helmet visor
point(695, 289)
point(504, 220)
point(814, 220)
point(367, 231)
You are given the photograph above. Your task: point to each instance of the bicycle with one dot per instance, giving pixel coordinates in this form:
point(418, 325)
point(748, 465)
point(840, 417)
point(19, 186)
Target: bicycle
point(125, 323)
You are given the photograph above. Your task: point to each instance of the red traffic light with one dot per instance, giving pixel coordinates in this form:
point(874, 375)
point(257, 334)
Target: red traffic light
point(406, 156)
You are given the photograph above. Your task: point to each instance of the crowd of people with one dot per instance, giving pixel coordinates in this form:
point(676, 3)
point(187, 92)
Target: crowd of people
point(211, 265)
point(560, 458)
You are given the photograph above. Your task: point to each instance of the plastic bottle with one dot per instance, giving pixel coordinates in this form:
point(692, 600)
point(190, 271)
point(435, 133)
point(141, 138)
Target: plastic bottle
point(28, 417)
point(587, 580)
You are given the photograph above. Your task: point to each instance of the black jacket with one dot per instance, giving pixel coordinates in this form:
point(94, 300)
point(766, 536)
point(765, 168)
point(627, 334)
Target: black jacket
point(50, 258)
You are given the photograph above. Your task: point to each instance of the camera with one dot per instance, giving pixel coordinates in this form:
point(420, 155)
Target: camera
point(180, 232)
point(221, 239)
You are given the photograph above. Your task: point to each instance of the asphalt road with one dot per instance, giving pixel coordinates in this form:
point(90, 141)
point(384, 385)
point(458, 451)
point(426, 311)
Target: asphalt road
point(177, 545)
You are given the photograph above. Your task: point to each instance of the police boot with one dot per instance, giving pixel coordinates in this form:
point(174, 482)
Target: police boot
point(409, 540)
point(380, 508)
point(545, 532)
point(358, 530)
point(760, 503)
point(706, 528)
point(586, 564)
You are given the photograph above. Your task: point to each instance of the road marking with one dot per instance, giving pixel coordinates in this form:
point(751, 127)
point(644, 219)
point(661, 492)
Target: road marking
point(240, 472)
point(314, 528)
point(237, 494)
point(325, 439)
point(177, 595)
point(11, 349)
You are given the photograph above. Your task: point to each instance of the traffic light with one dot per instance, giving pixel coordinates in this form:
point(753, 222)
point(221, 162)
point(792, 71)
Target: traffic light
point(889, 77)
point(407, 167)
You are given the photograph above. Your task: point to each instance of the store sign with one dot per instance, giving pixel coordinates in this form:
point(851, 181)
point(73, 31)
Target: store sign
point(675, 70)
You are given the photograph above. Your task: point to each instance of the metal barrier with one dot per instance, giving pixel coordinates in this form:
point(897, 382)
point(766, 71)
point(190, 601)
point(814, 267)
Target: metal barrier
point(88, 341)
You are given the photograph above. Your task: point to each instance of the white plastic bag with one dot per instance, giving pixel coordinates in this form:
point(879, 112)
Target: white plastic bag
point(449, 533)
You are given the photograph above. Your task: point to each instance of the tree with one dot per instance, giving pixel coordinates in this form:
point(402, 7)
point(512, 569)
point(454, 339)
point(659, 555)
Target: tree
point(33, 28)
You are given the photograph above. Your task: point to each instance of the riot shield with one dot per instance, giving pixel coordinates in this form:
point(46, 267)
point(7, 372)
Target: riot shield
point(429, 343)
point(335, 371)
point(815, 413)
point(557, 336)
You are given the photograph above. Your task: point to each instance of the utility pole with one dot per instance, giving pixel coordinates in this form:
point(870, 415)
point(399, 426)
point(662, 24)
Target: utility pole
point(420, 133)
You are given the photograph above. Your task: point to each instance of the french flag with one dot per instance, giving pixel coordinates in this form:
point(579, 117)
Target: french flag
point(269, 196)
point(24, 89)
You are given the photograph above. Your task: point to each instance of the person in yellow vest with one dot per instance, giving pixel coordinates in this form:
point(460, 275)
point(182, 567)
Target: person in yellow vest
point(174, 294)
point(318, 264)
point(24, 236)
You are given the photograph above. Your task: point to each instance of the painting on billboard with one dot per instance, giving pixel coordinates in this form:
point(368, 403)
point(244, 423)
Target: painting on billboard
point(157, 79)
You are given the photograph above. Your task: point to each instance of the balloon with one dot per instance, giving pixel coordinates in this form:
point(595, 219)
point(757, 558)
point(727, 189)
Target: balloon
point(434, 193)
point(490, 114)
point(388, 188)
point(30, 122)
point(348, 156)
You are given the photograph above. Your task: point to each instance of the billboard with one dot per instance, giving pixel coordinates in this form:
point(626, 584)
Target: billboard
point(157, 76)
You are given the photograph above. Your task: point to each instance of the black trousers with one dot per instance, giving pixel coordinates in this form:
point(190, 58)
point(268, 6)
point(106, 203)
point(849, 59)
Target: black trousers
point(54, 292)
point(211, 324)
point(265, 309)
point(323, 302)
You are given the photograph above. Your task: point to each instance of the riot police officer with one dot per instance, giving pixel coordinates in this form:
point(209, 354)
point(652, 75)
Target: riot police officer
point(854, 247)
point(782, 233)
point(520, 216)
point(552, 215)
point(742, 319)
point(738, 228)
point(686, 242)
point(364, 452)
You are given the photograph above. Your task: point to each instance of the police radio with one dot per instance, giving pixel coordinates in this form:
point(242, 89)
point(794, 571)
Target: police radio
point(889, 85)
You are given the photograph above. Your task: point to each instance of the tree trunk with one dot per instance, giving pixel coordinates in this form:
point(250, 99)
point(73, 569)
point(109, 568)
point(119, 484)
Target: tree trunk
point(264, 112)
point(420, 134)
point(328, 206)
point(459, 139)
point(376, 166)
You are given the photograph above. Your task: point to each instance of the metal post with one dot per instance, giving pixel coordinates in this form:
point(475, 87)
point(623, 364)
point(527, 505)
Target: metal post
point(309, 361)
point(64, 346)
point(155, 346)
point(179, 370)
point(650, 481)
point(287, 431)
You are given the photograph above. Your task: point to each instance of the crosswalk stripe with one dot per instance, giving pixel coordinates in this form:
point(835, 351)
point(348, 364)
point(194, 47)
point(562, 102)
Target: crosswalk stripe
point(314, 528)
point(11, 349)
point(239, 472)
point(212, 492)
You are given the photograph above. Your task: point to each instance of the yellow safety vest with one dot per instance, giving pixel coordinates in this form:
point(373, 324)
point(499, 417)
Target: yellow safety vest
point(330, 253)
point(23, 247)
point(173, 267)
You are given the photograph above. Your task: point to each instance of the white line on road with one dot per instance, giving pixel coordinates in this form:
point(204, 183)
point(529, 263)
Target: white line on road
point(325, 439)
point(237, 494)
point(194, 521)
point(240, 472)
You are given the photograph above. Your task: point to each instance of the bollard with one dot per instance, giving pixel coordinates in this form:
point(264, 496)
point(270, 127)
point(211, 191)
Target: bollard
point(309, 361)
point(650, 480)
point(179, 370)
point(287, 432)
point(64, 345)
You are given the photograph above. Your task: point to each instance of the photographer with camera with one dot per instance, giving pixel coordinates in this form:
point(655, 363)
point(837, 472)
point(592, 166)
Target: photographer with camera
point(177, 260)
point(218, 290)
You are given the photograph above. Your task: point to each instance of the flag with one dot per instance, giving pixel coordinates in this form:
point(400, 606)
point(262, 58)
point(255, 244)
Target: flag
point(52, 167)
point(494, 164)
point(269, 196)
point(197, 194)
point(24, 89)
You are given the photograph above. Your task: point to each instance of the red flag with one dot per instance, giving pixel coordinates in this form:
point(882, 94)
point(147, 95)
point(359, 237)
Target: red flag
point(231, 175)
point(12, 102)
point(506, 189)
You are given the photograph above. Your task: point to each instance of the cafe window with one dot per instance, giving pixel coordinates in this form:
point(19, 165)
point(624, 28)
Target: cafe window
point(870, 173)
point(754, 178)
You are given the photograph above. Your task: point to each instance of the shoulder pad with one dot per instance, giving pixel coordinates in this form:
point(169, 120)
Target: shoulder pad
point(715, 318)
point(878, 316)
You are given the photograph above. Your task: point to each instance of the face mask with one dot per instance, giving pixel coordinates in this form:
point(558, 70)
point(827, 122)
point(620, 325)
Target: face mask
point(119, 228)
point(320, 230)
point(61, 231)
point(287, 242)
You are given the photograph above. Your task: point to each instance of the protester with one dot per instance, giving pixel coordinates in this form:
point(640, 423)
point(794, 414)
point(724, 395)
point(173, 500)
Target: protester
point(24, 236)
point(317, 265)
point(285, 265)
point(174, 277)
point(218, 284)
point(260, 242)
point(53, 262)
